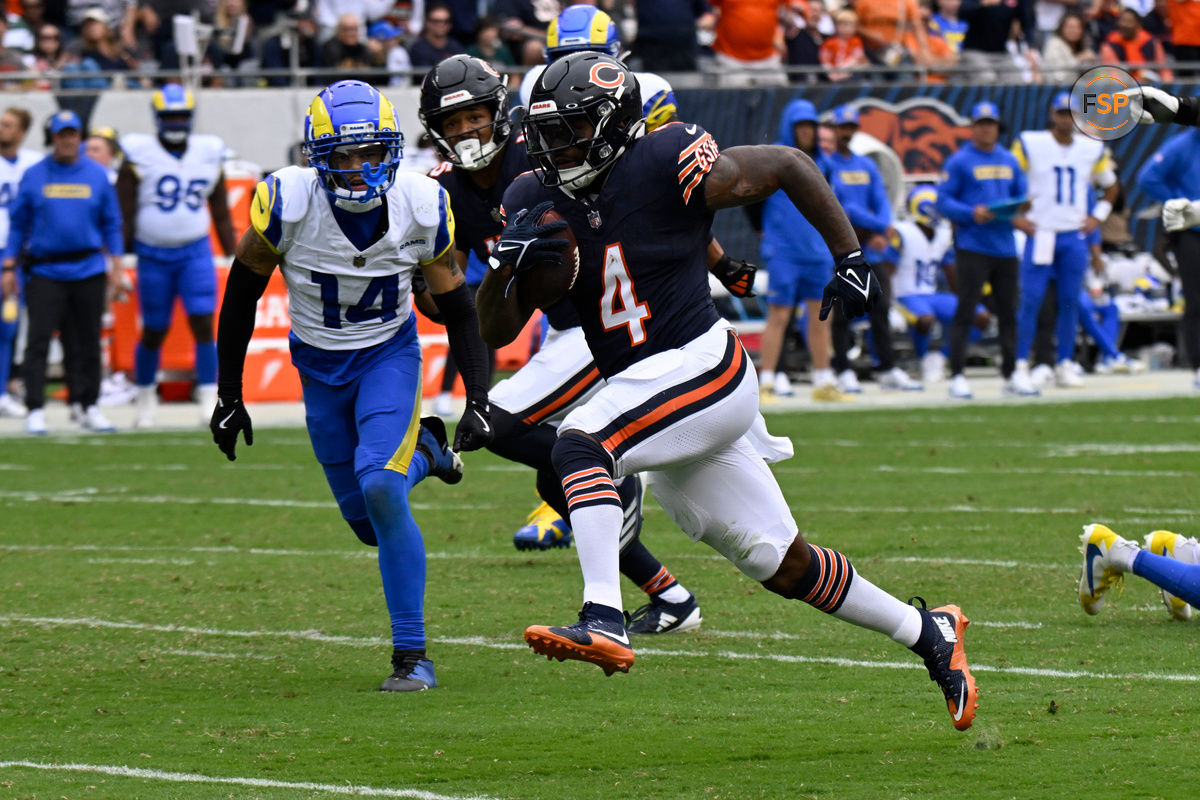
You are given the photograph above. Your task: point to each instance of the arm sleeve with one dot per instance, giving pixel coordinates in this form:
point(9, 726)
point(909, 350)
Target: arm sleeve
point(948, 203)
point(468, 349)
point(1020, 183)
point(236, 326)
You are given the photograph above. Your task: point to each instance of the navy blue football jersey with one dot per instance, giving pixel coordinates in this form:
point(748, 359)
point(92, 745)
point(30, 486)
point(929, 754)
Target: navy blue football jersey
point(643, 246)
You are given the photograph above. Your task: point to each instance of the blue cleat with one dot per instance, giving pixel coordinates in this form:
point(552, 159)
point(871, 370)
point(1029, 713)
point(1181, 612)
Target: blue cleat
point(545, 529)
point(444, 463)
point(411, 672)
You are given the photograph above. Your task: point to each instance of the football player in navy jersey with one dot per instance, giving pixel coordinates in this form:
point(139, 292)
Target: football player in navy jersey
point(464, 107)
point(680, 395)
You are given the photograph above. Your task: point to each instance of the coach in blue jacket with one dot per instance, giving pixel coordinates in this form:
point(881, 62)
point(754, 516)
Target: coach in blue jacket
point(66, 230)
point(983, 195)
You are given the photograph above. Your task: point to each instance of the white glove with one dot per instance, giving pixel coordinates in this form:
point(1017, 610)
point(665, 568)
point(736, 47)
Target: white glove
point(1180, 214)
point(1149, 105)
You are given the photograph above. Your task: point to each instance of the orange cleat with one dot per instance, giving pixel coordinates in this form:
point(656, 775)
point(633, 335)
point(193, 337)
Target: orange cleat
point(947, 664)
point(597, 638)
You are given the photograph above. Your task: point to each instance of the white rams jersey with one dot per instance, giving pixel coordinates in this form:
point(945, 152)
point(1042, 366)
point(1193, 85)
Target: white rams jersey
point(10, 178)
point(173, 190)
point(341, 298)
point(1061, 176)
point(920, 257)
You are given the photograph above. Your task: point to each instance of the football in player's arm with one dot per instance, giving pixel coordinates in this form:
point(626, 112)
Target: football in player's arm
point(739, 176)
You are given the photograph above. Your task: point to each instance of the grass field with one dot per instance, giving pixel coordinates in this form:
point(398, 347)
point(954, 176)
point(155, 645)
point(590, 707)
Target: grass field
point(174, 626)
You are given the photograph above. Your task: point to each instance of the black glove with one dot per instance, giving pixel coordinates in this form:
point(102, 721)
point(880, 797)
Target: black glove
point(521, 244)
point(230, 418)
point(475, 427)
point(854, 285)
point(737, 276)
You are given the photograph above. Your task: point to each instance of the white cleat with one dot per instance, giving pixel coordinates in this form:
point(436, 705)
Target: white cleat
point(35, 423)
point(1021, 383)
point(847, 382)
point(12, 407)
point(1180, 548)
point(206, 399)
point(782, 386)
point(1042, 375)
point(960, 389)
point(896, 378)
point(1106, 557)
point(933, 367)
point(1066, 375)
point(95, 421)
point(147, 407)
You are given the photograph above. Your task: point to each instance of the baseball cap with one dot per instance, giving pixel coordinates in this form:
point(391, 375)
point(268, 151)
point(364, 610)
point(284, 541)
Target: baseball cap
point(1061, 102)
point(985, 110)
point(96, 13)
point(382, 29)
point(845, 115)
point(63, 120)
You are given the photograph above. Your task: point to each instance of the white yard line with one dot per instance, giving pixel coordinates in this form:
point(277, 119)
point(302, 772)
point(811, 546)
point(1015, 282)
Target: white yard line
point(477, 641)
point(257, 783)
point(97, 495)
point(1103, 473)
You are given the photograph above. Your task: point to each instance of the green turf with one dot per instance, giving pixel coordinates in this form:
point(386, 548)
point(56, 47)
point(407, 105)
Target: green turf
point(255, 632)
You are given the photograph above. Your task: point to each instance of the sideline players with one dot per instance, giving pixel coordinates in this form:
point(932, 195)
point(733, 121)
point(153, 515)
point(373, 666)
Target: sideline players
point(171, 187)
point(680, 397)
point(347, 234)
point(464, 107)
point(1060, 168)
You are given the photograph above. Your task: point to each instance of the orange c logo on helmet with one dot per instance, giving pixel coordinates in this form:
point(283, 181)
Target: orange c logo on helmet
point(609, 83)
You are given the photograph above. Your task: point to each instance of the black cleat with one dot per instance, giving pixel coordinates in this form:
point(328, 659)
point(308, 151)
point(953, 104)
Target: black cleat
point(444, 463)
point(411, 672)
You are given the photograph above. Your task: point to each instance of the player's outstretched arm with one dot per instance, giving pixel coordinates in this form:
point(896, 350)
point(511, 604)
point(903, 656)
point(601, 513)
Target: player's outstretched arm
point(218, 207)
point(1149, 105)
point(253, 263)
point(449, 289)
point(745, 175)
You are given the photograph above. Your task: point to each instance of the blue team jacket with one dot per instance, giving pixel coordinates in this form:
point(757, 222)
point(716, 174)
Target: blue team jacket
point(1173, 171)
point(786, 233)
point(65, 209)
point(974, 178)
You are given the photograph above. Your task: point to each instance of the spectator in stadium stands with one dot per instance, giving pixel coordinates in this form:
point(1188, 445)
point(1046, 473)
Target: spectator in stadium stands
point(804, 33)
point(434, 44)
point(96, 48)
point(1130, 45)
point(666, 33)
point(280, 33)
point(941, 53)
point(64, 219)
point(524, 24)
point(989, 26)
point(154, 17)
point(881, 23)
point(1026, 61)
point(843, 50)
point(49, 55)
point(749, 43)
point(981, 194)
point(1068, 51)
point(1185, 32)
point(1102, 16)
point(12, 59)
point(1173, 171)
point(232, 41)
point(346, 54)
point(488, 45)
point(1157, 22)
point(327, 13)
point(947, 23)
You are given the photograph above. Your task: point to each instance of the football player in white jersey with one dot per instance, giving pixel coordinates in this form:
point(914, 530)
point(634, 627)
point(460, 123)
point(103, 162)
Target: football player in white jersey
point(347, 234)
point(14, 160)
point(171, 186)
point(925, 248)
point(1062, 167)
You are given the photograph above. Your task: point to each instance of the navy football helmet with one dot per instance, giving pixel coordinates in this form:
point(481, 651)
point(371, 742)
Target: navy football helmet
point(345, 116)
point(588, 102)
point(457, 83)
point(174, 106)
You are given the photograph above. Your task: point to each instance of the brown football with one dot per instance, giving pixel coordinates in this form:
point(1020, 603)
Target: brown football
point(543, 285)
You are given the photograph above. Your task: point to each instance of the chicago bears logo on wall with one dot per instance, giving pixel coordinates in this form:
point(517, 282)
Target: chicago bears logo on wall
point(923, 131)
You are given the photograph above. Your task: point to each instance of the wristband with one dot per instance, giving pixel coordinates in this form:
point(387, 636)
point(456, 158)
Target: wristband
point(1101, 210)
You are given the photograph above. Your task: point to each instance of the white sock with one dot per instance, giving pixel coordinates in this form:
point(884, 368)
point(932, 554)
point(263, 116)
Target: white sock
point(766, 379)
point(597, 532)
point(823, 377)
point(675, 594)
point(870, 607)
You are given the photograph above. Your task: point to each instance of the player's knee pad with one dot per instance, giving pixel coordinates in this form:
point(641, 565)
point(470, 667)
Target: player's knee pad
point(385, 493)
point(575, 451)
point(364, 530)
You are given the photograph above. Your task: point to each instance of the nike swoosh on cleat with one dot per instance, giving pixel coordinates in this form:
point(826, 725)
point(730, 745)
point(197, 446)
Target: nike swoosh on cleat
point(1093, 552)
point(962, 701)
point(622, 639)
